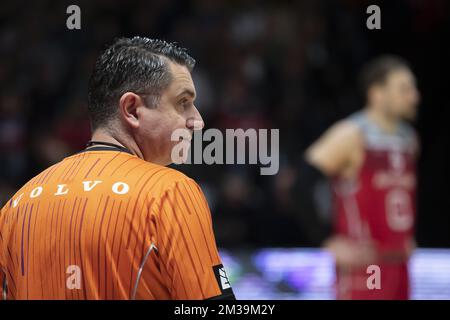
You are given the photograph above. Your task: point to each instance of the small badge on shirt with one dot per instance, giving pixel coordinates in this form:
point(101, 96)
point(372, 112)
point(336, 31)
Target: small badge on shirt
point(222, 278)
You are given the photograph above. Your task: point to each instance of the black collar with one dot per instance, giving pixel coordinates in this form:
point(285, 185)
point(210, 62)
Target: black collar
point(105, 146)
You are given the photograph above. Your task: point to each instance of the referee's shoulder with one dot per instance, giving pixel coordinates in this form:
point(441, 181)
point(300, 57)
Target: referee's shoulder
point(160, 179)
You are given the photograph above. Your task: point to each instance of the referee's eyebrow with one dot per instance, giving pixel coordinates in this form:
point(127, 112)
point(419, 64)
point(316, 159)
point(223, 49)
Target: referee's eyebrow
point(189, 92)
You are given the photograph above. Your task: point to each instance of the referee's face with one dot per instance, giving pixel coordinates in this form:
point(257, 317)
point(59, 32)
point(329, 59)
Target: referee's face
point(176, 110)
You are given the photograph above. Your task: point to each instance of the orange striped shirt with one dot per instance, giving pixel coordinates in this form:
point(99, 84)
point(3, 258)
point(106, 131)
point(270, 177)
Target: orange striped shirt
point(105, 224)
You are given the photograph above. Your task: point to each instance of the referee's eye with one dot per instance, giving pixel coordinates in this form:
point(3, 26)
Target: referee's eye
point(185, 103)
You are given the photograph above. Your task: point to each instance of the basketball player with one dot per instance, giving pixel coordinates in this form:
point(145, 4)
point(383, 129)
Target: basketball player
point(369, 158)
point(113, 222)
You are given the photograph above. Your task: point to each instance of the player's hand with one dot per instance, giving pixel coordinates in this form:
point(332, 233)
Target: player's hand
point(350, 254)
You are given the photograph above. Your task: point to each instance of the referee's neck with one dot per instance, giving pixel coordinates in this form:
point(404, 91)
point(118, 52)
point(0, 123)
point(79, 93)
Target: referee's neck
point(102, 135)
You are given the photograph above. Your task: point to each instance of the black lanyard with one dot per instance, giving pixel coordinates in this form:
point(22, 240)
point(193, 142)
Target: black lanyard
point(106, 146)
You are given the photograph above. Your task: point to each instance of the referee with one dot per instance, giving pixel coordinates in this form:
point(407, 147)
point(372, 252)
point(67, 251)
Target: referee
point(112, 221)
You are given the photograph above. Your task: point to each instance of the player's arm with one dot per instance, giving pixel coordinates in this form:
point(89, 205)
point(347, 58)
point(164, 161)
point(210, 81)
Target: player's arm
point(329, 156)
point(187, 247)
point(332, 153)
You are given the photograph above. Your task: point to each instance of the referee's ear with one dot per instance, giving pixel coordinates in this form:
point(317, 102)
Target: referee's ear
point(129, 104)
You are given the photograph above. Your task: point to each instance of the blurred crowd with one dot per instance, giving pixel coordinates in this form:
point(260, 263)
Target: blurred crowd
point(290, 65)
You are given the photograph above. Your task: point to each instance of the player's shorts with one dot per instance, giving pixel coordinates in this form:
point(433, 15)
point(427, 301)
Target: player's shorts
point(393, 283)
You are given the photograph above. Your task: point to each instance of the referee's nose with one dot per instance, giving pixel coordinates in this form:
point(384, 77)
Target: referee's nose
point(195, 121)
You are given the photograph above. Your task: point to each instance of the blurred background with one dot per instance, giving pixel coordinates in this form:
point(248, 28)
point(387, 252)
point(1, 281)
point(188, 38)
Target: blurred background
point(290, 65)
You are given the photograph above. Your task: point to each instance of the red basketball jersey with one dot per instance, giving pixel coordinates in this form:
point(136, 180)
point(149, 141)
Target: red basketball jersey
point(379, 205)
